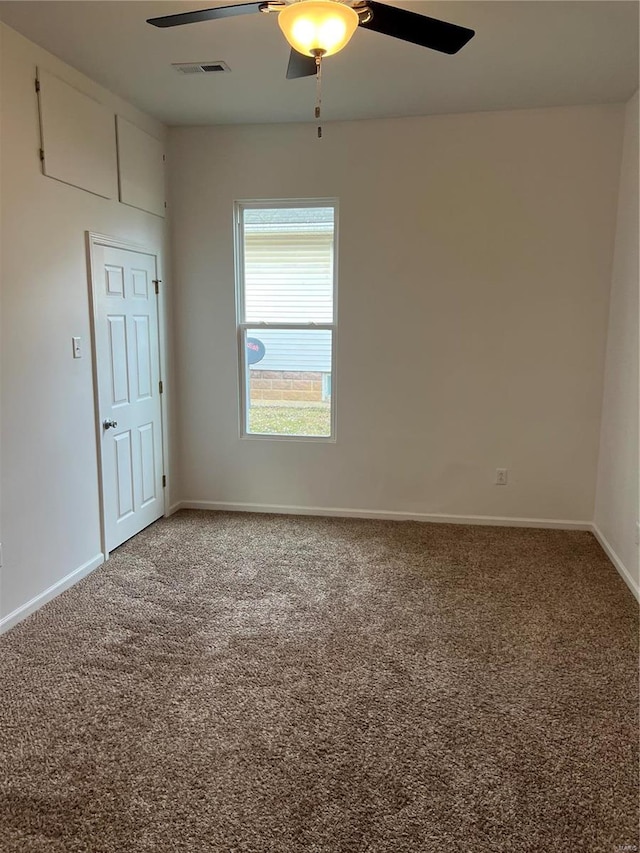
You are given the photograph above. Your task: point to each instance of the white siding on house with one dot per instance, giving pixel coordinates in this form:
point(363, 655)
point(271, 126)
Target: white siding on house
point(294, 349)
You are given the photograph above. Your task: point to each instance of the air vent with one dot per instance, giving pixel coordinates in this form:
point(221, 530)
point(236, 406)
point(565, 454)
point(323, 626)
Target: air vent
point(215, 66)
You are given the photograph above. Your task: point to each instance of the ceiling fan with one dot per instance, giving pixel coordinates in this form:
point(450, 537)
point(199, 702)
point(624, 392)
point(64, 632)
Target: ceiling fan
point(319, 28)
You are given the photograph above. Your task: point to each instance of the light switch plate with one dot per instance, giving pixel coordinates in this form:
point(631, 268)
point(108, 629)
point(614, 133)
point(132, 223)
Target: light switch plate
point(77, 348)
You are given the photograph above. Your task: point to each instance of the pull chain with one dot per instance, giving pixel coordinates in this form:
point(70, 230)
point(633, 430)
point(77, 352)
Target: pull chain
point(318, 91)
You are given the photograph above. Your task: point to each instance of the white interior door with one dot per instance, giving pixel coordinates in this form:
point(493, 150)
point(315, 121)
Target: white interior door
point(128, 374)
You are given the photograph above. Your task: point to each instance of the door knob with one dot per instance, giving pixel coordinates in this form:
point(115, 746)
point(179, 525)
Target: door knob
point(109, 424)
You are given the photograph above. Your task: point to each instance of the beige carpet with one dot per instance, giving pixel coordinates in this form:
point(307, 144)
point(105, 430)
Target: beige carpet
point(253, 684)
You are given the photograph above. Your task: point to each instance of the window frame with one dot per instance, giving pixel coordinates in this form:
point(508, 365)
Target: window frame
point(239, 206)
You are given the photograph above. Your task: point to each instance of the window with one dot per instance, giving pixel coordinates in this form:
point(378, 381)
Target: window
point(285, 269)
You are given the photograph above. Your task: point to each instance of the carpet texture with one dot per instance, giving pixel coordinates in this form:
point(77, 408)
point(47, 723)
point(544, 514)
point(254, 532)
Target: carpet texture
point(264, 684)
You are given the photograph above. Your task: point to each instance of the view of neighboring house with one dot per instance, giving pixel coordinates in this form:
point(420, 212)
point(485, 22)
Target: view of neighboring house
point(288, 275)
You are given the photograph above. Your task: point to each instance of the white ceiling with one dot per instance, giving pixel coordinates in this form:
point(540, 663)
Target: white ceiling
point(527, 53)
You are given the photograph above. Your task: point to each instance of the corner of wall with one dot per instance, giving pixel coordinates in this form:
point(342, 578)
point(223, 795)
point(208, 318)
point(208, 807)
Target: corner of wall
point(617, 511)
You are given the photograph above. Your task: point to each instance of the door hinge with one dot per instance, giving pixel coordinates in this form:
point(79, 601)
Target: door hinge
point(37, 85)
point(42, 155)
point(161, 387)
point(164, 481)
point(156, 284)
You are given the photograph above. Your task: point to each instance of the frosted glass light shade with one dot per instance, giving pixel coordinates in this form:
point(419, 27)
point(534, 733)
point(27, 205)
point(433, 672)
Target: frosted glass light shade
point(318, 25)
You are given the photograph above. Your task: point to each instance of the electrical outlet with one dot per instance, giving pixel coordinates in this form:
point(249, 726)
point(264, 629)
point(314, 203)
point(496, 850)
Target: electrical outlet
point(501, 476)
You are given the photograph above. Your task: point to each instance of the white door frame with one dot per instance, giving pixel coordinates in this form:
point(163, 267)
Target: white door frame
point(92, 240)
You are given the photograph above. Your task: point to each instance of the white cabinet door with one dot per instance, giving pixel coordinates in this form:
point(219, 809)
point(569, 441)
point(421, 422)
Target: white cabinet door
point(78, 137)
point(128, 370)
point(140, 168)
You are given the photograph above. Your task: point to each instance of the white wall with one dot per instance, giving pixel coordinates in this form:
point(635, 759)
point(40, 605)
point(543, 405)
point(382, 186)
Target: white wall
point(617, 511)
point(475, 261)
point(50, 513)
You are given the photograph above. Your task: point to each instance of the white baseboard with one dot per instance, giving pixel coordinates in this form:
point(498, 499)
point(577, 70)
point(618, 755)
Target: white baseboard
point(617, 562)
point(488, 520)
point(73, 577)
point(173, 508)
point(391, 515)
point(36, 603)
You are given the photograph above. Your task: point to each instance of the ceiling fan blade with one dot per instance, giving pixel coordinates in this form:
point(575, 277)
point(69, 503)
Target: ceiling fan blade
point(300, 65)
point(419, 29)
point(205, 15)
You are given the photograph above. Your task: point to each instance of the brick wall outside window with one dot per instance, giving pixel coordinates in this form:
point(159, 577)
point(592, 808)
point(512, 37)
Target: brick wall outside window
point(286, 385)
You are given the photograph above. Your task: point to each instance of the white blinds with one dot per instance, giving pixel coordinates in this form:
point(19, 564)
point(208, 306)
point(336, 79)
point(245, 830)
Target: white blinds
point(288, 267)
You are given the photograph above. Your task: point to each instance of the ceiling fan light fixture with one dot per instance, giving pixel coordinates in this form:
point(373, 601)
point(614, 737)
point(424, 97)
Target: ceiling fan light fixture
point(318, 27)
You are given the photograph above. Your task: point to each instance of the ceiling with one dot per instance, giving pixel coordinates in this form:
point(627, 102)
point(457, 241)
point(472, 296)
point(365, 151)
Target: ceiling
point(527, 53)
